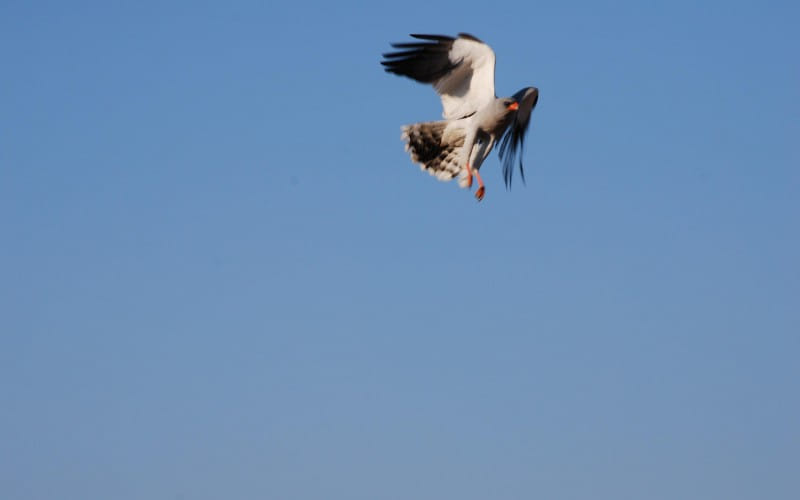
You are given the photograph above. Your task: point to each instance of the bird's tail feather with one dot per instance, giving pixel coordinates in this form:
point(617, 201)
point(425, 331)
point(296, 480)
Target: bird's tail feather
point(436, 148)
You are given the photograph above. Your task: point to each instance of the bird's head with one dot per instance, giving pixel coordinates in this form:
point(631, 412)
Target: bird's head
point(509, 104)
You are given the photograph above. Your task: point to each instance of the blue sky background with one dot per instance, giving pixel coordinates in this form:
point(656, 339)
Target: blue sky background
point(222, 277)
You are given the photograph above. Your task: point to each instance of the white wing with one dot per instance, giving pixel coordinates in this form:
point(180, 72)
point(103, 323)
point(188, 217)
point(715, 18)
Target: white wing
point(460, 69)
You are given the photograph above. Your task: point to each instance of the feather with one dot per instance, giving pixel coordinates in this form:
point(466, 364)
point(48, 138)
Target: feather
point(513, 141)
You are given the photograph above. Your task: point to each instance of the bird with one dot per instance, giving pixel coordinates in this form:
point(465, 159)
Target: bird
point(461, 70)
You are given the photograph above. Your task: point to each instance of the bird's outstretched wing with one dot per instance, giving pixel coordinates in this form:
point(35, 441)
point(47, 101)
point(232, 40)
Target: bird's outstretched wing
point(512, 143)
point(460, 69)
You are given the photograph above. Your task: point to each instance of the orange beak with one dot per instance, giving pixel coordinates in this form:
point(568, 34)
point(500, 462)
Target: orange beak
point(513, 106)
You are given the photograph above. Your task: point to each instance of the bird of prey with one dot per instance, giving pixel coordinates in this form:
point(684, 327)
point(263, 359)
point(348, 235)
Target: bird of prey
point(462, 72)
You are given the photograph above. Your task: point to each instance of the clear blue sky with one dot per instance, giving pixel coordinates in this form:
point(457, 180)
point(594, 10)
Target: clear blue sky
point(222, 277)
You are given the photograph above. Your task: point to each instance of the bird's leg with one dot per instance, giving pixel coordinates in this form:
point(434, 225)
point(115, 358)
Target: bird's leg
point(469, 145)
point(481, 190)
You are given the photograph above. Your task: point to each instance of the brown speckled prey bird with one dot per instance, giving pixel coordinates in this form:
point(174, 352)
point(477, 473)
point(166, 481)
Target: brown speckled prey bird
point(462, 72)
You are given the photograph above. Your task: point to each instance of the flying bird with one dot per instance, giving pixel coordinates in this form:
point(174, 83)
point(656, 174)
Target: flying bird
point(461, 71)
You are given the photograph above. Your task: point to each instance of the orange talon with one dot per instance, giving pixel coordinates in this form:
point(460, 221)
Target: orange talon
point(481, 190)
point(469, 176)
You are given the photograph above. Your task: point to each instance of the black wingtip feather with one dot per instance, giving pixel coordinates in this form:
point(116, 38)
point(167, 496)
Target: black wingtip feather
point(433, 38)
point(424, 62)
point(410, 45)
point(512, 143)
